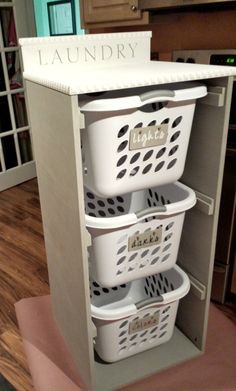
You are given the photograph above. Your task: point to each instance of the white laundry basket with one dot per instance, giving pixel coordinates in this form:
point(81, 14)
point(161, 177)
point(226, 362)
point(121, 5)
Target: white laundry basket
point(132, 142)
point(137, 234)
point(137, 316)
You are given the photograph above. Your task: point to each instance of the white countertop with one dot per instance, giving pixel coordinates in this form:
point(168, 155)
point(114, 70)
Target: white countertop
point(73, 79)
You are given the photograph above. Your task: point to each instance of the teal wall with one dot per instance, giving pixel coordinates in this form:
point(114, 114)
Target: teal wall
point(41, 17)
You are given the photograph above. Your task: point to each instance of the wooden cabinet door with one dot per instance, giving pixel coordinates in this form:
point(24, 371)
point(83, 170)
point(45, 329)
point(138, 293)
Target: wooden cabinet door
point(104, 13)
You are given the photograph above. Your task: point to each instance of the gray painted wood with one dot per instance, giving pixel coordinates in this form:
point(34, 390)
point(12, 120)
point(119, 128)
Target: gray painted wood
point(56, 137)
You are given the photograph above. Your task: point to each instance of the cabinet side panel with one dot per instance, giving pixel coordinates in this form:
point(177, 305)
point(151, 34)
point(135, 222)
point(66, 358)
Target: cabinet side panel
point(56, 136)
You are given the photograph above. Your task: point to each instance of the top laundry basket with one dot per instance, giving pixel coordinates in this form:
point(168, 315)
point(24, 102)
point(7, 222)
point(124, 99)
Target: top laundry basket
point(132, 142)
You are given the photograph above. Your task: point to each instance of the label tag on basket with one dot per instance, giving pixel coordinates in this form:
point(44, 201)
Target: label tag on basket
point(144, 323)
point(147, 239)
point(151, 136)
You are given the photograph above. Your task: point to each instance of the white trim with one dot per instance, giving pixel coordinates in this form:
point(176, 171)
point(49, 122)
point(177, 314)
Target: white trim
point(16, 175)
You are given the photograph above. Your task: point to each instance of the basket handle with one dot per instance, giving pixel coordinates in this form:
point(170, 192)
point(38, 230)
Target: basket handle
point(149, 302)
point(155, 210)
point(157, 95)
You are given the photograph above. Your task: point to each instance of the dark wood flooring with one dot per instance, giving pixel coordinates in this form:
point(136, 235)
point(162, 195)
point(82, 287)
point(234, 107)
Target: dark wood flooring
point(23, 273)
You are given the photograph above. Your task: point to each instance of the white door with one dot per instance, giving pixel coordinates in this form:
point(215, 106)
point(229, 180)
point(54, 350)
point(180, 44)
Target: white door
point(16, 156)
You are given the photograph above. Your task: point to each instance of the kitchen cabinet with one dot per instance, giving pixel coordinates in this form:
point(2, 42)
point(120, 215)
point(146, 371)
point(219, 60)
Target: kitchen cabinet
point(115, 13)
point(54, 89)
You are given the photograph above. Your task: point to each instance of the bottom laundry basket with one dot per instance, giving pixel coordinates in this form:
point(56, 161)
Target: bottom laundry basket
point(137, 316)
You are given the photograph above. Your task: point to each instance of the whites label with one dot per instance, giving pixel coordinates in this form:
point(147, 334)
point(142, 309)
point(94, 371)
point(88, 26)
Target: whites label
point(147, 239)
point(150, 136)
point(143, 324)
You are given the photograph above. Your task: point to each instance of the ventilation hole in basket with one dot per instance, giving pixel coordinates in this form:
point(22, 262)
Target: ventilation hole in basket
point(167, 247)
point(171, 164)
point(165, 121)
point(90, 195)
point(122, 146)
point(164, 289)
point(122, 333)
point(152, 123)
point(158, 292)
point(166, 282)
point(153, 330)
point(155, 250)
point(110, 201)
point(122, 350)
point(148, 155)
point(172, 287)
point(143, 334)
point(153, 287)
point(177, 121)
point(146, 290)
point(155, 260)
point(147, 281)
point(91, 205)
point(119, 272)
point(144, 253)
point(135, 335)
point(147, 168)
point(134, 171)
point(142, 265)
point(153, 337)
point(114, 288)
point(135, 157)
point(159, 166)
point(102, 213)
point(121, 260)
point(164, 259)
point(166, 309)
point(174, 136)
point(149, 202)
point(133, 256)
point(157, 196)
point(123, 286)
point(146, 315)
point(120, 209)
point(150, 192)
point(120, 199)
point(139, 125)
point(96, 284)
point(121, 160)
point(143, 342)
point(131, 269)
point(121, 174)
point(160, 153)
point(162, 334)
point(97, 293)
point(101, 203)
point(168, 237)
point(111, 211)
point(121, 250)
point(169, 226)
point(163, 326)
point(123, 340)
point(159, 284)
point(122, 131)
point(132, 346)
point(165, 318)
point(105, 290)
point(173, 150)
point(123, 324)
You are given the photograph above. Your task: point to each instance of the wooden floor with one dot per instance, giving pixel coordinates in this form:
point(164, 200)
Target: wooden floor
point(23, 273)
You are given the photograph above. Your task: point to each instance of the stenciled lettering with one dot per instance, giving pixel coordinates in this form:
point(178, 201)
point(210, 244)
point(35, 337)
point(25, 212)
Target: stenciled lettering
point(56, 57)
point(73, 57)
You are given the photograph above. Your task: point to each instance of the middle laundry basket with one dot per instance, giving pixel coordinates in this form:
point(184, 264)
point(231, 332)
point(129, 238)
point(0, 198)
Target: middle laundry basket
point(138, 138)
point(137, 234)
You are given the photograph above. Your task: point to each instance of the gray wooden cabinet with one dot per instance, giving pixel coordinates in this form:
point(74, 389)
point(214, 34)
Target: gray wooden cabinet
point(56, 122)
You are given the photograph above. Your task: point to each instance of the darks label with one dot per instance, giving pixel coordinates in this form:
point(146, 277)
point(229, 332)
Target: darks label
point(151, 136)
point(144, 323)
point(147, 239)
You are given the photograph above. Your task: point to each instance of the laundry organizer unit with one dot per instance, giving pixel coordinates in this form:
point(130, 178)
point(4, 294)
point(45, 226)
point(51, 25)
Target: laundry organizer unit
point(112, 133)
